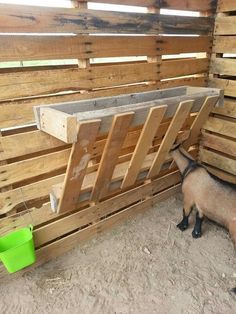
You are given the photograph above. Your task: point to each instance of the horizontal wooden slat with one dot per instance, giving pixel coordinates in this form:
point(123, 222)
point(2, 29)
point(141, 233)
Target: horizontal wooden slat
point(226, 5)
point(218, 143)
point(228, 110)
point(15, 48)
point(223, 127)
point(20, 112)
point(228, 85)
point(175, 68)
point(221, 174)
point(223, 66)
point(218, 161)
point(22, 84)
point(200, 81)
point(26, 19)
point(225, 25)
point(224, 44)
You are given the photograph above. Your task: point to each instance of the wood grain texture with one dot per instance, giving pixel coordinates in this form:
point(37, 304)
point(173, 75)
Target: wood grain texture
point(26, 19)
point(180, 116)
point(80, 156)
point(53, 81)
point(225, 25)
point(144, 143)
point(228, 110)
point(15, 48)
point(218, 161)
point(227, 84)
point(223, 66)
point(226, 5)
point(220, 126)
point(224, 44)
point(114, 143)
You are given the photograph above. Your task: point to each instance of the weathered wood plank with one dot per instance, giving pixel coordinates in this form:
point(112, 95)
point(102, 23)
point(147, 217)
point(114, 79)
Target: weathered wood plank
point(180, 116)
point(228, 110)
point(221, 174)
point(28, 83)
point(183, 67)
point(218, 161)
point(224, 44)
point(26, 19)
point(225, 25)
point(218, 143)
point(114, 143)
point(228, 85)
point(197, 80)
point(223, 66)
point(15, 48)
point(144, 143)
point(223, 127)
point(226, 6)
point(78, 162)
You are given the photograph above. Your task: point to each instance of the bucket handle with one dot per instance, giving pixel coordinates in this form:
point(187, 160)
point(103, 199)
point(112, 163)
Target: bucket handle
point(31, 227)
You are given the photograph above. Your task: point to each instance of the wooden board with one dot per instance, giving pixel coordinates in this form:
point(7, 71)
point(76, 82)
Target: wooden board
point(80, 156)
point(15, 48)
point(181, 114)
point(48, 20)
point(226, 6)
point(223, 66)
point(224, 44)
point(228, 85)
point(114, 143)
point(220, 126)
point(225, 25)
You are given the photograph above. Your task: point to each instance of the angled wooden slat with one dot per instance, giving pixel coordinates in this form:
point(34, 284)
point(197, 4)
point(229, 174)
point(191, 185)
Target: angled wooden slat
point(115, 140)
point(199, 121)
point(180, 116)
point(77, 165)
point(144, 143)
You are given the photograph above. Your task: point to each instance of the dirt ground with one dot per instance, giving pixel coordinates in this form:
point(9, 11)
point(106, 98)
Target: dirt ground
point(145, 265)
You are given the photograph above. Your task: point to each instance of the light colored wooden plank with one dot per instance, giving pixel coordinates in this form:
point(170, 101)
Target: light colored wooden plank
point(28, 83)
point(222, 174)
point(226, 5)
point(180, 116)
point(228, 110)
point(228, 85)
point(144, 143)
point(224, 44)
point(174, 68)
point(77, 165)
point(220, 126)
point(15, 48)
point(199, 121)
point(223, 66)
point(225, 25)
point(218, 143)
point(218, 161)
point(59, 124)
point(195, 80)
point(116, 137)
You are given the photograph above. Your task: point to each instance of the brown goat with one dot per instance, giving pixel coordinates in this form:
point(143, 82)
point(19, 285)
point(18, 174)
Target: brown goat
point(211, 196)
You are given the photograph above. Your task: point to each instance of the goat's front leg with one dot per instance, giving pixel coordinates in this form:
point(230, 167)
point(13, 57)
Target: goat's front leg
point(183, 225)
point(197, 230)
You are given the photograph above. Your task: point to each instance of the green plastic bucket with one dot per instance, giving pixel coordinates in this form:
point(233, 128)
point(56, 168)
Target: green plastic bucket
point(17, 249)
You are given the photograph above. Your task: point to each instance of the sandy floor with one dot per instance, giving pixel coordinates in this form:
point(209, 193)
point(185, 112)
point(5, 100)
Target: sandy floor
point(145, 265)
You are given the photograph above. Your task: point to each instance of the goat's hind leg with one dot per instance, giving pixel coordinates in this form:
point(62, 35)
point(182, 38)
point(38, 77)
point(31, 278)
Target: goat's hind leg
point(197, 230)
point(183, 225)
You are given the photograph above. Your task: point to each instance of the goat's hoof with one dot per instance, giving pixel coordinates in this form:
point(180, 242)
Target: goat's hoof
point(182, 226)
point(196, 234)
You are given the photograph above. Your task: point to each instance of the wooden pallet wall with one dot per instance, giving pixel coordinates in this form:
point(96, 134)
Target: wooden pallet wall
point(31, 161)
point(218, 149)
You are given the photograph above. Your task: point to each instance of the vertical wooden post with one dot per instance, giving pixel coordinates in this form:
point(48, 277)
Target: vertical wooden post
point(157, 59)
point(82, 63)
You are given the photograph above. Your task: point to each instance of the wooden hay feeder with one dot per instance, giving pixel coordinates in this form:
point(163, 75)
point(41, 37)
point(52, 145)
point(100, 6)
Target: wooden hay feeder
point(114, 120)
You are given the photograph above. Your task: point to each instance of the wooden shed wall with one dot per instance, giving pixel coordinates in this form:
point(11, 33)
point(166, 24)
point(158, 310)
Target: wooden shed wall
point(219, 137)
point(32, 161)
